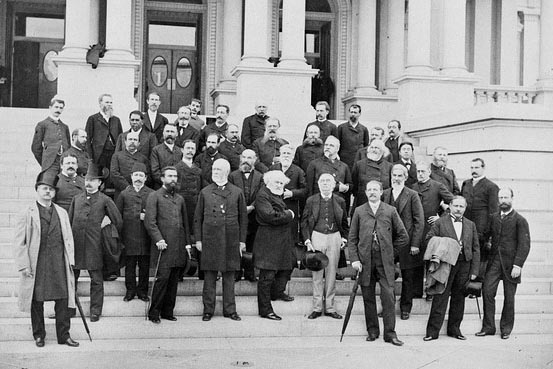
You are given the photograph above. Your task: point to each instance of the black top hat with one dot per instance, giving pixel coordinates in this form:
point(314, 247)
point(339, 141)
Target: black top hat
point(247, 260)
point(139, 167)
point(46, 179)
point(315, 260)
point(191, 267)
point(93, 172)
point(473, 288)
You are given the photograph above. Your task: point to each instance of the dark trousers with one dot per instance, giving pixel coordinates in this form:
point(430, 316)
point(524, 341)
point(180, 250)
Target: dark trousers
point(164, 294)
point(54, 169)
point(489, 289)
point(386, 296)
point(271, 285)
point(208, 293)
point(458, 276)
point(409, 288)
point(418, 281)
point(143, 263)
point(63, 322)
point(96, 290)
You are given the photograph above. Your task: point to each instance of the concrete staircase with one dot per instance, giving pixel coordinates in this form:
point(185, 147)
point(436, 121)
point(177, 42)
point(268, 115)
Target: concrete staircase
point(125, 320)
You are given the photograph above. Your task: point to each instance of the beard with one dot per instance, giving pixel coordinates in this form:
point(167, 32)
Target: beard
point(211, 151)
point(246, 167)
point(314, 141)
point(374, 157)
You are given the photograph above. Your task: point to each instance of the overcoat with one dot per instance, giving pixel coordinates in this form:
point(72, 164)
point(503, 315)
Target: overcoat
point(166, 219)
point(482, 202)
point(232, 151)
point(306, 153)
point(272, 248)
point(98, 131)
point(431, 193)
point(326, 127)
point(253, 127)
point(204, 161)
point(366, 170)
point(221, 223)
point(447, 177)
point(27, 245)
point(68, 188)
point(86, 216)
point(266, 150)
point(186, 133)
point(410, 211)
point(48, 138)
point(390, 232)
point(338, 169)
point(189, 181)
point(351, 140)
point(146, 142)
point(134, 236)
point(122, 163)
point(162, 157)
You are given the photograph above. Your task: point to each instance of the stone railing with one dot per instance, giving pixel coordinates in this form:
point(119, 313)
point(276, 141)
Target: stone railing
point(504, 94)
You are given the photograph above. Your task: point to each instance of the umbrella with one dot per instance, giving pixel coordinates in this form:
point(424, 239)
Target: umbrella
point(152, 289)
point(80, 307)
point(350, 305)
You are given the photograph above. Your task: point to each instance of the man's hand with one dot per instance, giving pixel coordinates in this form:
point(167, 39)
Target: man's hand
point(515, 273)
point(357, 266)
point(27, 273)
point(432, 219)
point(188, 247)
point(414, 251)
point(343, 187)
point(291, 212)
point(242, 248)
point(142, 216)
point(343, 243)
point(250, 208)
point(199, 246)
point(309, 245)
point(287, 194)
point(161, 245)
point(472, 277)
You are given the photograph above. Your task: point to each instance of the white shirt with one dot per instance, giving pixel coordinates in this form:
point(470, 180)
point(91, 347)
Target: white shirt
point(169, 146)
point(187, 162)
point(396, 191)
point(137, 189)
point(458, 228)
point(105, 116)
point(507, 213)
point(476, 180)
point(374, 207)
point(152, 115)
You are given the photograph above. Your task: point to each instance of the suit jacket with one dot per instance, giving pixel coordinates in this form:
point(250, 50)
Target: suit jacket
point(351, 140)
point(99, 131)
point(339, 170)
point(443, 227)
point(237, 178)
point(511, 240)
point(327, 129)
point(266, 150)
point(161, 157)
point(68, 188)
point(411, 173)
point(155, 127)
point(432, 193)
point(306, 153)
point(232, 152)
point(482, 202)
point(147, 142)
point(82, 160)
point(207, 130)
point(48, 138)
point(311, 211)
point(122, 163)
point(134, 235)
point(367, 170)
point(390, 233)
point(395, 153)
point(253, 127)
point(409, 208)
point(186, 133)
point(205, 162)
point(447, 177)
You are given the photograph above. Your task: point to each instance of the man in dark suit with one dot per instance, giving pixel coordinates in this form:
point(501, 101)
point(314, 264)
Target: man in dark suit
point(154, 122)
point(122, 163)
point(464, 231)
point(219, 127)
point(267, 148)
point(195, 120)
point(440, 172)
point(481, 196)
point(322, 108)
point(167, 224)
point(375, 133)
point(185, 131)
point(51, 139)
point(253, 126)
point(325, 229)
point(409, 208)
point(146, 140)
point(220, 224)
point(78, 150)
point(510, 245)
point(231, 147)
point(165, 154)
point(311, 148)
point(205, 160)
point(395, 138)
point(69, 183)
point(406, 159)
point(352, 135)
point(250, 181)
point(376, 237)
point(102, 129)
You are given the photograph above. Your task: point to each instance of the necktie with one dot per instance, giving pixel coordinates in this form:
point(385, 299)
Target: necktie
point(502, 216)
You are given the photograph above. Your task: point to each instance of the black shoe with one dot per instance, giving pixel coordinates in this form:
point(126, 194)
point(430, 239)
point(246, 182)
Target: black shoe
point(70, 342)
point(483, 333)
point(144, 298)
point(128, 297)
point(207, 317)
point(111, 278)
point(380, 314)
point(233, 316)
point(52, 316)
point(404, 315)
point(334, 315)
point(94, 317)
point(251, 279)
point(505, 336)
point(339, 277)
point(271, 316)
point(170, 318)
point(429, 297)
point(372, 337)
point(394, 341)
point(429, 338)
point(314, 315)
point(458, 336)
point(284, 297)
point(155, 320)
point(39, 342)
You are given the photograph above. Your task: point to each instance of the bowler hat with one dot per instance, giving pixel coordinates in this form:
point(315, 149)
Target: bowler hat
point(247, 260)
point(48, 179)
point(315, 260)
point(93, 172)
point(139, 167)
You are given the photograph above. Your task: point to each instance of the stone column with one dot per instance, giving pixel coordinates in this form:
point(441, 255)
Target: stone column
point(81, 27)
point(483, 40)
point(453, 62)
point(531, 48)
point(509, 57)
point(232, 37)
point(293, 35)
point(257, 17)
point(545, 80)
point(418, 37)
point(366, 47)
point(395, 49)
point(118, 29)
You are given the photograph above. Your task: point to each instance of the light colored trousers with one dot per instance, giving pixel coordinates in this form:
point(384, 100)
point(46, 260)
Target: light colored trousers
point(328, 244)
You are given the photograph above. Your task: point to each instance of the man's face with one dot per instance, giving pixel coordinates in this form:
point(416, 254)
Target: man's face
point(276, 186)
point(326, 184)
point(106, 105)
point(92, 185)
point(440, 158)
point(183, 115)
point(375, 134)
point(271, 127)
point(169, 179)
point(212, 142)
point(221, 115)
point(406, 152)
point(354, 114)
point(398, 177)
point(457, 207)
point(373, 192)
point(136, 122)
point(45, 192)
point(331, 148)
point(286, 155)
point(195, 107)
point(219, 173)
point(153, 102)
point(232, 133)
point(131, 143)
point(261, 110)
point(189, 150)
point(80, 139)
point(476, 169)
point(138, 178)
point(247, 160)
point(320, 112)
point(69, 166)
point(374, 151)
point(313, 132)
point(505, 200)
point(423, 174)
point(56, 109)
point(170, 134)
point(393, 129)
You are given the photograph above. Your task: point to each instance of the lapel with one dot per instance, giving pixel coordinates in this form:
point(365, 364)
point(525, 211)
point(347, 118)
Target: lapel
point(316, 208)
point(35, 217)
point(450, 230)
point(102, 120)
point(337, 211)
point(223, 193)
point(402, 200)
point(52, 219)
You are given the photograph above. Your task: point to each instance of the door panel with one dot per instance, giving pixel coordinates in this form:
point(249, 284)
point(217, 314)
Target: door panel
point(26, 56)
point(48, 73)
point(158, 76)
point(184, 78)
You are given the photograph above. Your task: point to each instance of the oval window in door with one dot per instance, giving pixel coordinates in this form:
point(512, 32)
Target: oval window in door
point(158, 71)
point(50, 68)
point(184, 72)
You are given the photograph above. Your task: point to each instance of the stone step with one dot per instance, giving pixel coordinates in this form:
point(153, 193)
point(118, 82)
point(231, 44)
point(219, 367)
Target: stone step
point(109, 328)
point(114, 306)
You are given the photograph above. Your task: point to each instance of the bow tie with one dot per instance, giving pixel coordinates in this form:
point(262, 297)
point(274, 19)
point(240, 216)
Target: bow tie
point(221, 187)
point(460, 219)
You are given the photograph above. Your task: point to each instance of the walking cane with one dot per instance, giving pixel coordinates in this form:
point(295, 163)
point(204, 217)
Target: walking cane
point(79, 306)
point(152, 289)
point(478, 306)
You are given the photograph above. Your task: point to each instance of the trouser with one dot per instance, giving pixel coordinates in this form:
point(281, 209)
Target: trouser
point(54, 169)
point(208, 293)
point(387, 298)
point(418, 281)
point(328, 244)
point(408, 288)
point(143, 263)
point(489, 291)
point(63, 321)
point(269, 287)
point(164, 294)
point(458, 276)
point(96, 290)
